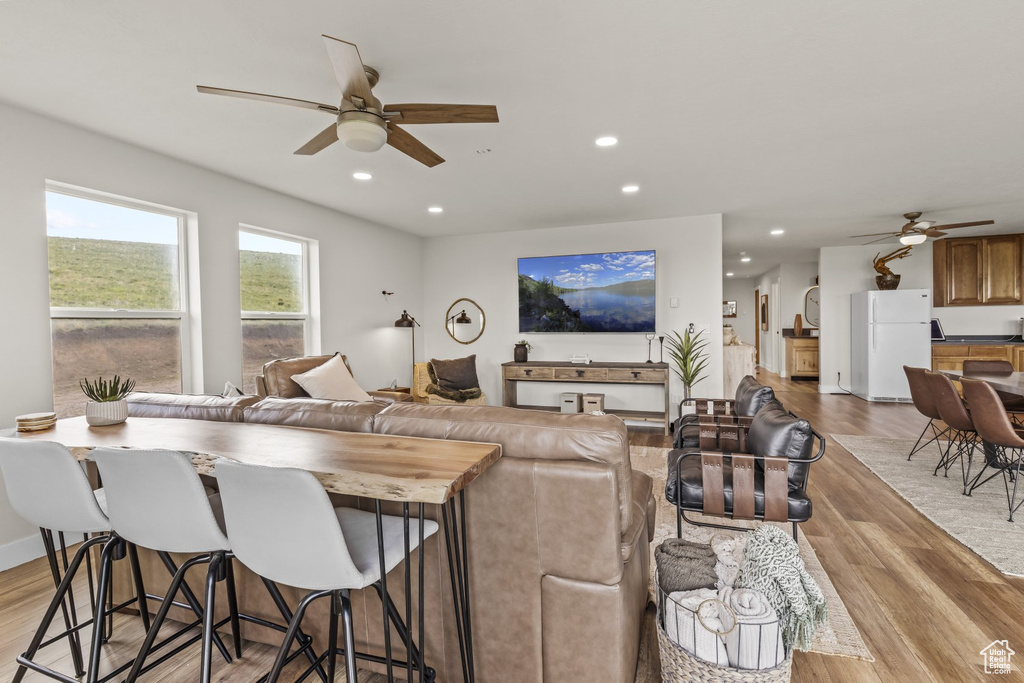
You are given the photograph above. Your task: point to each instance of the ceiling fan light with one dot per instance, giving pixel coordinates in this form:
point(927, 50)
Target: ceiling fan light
point(362, 136)
point(912, 239)
point(924, 225)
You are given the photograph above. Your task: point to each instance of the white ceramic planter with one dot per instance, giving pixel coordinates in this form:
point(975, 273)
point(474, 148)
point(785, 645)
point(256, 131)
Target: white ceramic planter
point(100, 414)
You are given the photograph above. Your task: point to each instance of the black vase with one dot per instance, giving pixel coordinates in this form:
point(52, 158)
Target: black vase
point(519, 353)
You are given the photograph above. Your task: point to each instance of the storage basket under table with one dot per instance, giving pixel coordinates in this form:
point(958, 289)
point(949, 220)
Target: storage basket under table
point(678, 665)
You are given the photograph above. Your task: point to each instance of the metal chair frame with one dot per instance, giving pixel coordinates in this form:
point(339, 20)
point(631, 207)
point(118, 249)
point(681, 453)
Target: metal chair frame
point(1009, 466)
point(936, 435)
point(681, 512)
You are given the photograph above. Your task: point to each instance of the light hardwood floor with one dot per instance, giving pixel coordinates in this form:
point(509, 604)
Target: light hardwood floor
point(924, 604)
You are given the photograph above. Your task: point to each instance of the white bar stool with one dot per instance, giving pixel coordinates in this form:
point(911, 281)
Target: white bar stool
point(156, 500)
point(49, 488)
point(283, 526)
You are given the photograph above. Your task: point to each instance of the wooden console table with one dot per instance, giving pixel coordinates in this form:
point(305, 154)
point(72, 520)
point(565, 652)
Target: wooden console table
point(590, 373)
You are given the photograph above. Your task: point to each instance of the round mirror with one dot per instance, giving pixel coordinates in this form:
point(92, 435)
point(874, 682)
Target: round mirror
point(465, 321)
point(812, 306)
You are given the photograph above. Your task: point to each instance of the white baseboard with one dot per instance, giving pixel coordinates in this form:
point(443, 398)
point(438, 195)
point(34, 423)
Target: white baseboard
point(830, 389)
point(21, 551)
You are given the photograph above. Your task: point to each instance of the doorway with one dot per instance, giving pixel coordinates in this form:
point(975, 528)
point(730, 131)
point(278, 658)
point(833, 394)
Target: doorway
point(757, 327)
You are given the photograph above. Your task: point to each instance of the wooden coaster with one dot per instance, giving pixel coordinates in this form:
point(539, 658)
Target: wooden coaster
point(40, 428)
point(36, 417)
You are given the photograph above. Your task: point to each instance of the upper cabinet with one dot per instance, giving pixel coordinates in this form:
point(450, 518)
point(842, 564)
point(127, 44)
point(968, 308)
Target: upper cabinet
point(978, 271)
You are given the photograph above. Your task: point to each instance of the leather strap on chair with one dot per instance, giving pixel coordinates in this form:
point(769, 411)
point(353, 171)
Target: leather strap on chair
point(728, 438)
point(745, 420)
point(776, 489)
point(726, 419)
point(742, 487)
point(713, 481)
point(708, 436)
point(702, 406)
point(706, 419)
point(718, 407)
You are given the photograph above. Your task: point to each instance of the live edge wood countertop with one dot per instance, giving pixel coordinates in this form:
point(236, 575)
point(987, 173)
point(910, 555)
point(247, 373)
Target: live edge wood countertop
point(395, 468)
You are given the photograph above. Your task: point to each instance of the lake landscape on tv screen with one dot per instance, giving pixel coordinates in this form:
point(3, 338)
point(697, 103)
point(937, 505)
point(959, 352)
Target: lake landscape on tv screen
point(611, 292)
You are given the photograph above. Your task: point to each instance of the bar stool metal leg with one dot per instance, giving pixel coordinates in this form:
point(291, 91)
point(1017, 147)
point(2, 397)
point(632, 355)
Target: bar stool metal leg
point(350, 637)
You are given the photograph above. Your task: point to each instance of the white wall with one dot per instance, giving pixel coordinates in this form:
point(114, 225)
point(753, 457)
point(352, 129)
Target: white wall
point(796, 279)
point(843, 271)
point(741, 290)
point(484, 268)
point(358, 259)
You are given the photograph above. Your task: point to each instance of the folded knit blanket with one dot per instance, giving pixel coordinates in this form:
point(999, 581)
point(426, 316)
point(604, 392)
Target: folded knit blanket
point(684, 629)
point(684, 566)
point(756, 642)
point(729, 554)
point(772, 566)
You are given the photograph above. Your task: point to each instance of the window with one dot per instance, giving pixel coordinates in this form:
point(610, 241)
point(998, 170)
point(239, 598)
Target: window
point(274, 270)
point(117, 294)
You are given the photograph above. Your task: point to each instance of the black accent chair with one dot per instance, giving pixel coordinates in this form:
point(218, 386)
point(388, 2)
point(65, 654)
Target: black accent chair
point(751, 396)
point(772, 457)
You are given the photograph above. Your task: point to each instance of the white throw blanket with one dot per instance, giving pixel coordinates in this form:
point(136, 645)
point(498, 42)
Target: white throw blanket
point(729, 551)
point(685, 630)
point(756, 642)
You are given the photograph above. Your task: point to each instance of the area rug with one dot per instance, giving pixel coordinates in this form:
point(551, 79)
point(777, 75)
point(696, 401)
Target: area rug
point(979, 521)
point(838, 637)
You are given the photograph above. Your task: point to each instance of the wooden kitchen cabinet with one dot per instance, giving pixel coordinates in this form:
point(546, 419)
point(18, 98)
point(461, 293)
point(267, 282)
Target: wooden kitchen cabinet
point(978, 271)
point(802, 356)
point(952, 356)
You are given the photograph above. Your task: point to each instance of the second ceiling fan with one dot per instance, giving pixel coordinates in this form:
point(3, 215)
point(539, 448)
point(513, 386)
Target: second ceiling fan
point(916, 231)
point(363, 124)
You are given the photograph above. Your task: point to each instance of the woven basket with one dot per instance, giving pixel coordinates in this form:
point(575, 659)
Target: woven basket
point(678, 665)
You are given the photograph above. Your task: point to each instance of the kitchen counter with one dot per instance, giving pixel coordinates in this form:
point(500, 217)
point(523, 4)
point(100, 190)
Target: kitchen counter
point(978, 339)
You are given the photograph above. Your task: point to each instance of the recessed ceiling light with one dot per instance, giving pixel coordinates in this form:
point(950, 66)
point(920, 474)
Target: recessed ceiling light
point(360, 175)
point(728, 274)
point(778, 231)
point(606, 141)
point(435, 209)
point(629, 189)
point(745, 259)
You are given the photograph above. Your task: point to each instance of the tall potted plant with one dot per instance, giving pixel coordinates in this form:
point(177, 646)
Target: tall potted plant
point(107, 405)
point(688, 358)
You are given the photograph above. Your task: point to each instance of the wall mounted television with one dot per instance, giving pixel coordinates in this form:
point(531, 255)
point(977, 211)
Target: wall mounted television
point(608, 292)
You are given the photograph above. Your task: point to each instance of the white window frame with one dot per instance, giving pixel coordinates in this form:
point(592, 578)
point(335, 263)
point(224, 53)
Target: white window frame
point(310, 305)
point(182, 315)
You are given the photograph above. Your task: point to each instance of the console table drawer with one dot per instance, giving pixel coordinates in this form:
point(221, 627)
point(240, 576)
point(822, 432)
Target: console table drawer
point(582, 374)
point(529, 373)
point(643, 375)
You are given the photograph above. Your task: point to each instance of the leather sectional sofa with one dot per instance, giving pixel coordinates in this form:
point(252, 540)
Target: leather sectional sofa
point(558, 533)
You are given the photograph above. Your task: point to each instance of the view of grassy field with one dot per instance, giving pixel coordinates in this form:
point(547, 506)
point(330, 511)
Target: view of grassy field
point(88, 273)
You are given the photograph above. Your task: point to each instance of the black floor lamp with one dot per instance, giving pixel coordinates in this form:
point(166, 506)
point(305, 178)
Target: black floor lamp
point(408, 321)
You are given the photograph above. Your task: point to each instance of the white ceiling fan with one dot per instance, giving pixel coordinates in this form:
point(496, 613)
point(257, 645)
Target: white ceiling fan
point(362, 123)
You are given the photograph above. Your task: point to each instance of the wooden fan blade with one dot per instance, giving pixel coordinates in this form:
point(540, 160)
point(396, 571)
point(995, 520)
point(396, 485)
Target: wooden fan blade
point(950, 226)
point(442, 113)
point(275, 99)
point(890, 236)
point(407, 144)
point(876, 234)
point(932, 232)
point(328, 136)
point(348, 69)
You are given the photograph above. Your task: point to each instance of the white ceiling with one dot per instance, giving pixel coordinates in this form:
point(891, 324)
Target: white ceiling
point(823, 118)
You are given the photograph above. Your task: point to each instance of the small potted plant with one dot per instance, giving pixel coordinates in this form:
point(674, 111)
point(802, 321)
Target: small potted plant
point(522, 351)
point(107, 405)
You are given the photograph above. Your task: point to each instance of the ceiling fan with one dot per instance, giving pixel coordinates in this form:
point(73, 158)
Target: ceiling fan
point(916, 231)
point(363, 124)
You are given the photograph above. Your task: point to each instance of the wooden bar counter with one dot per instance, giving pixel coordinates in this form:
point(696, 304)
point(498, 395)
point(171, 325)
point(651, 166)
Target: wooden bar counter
point(393, 468)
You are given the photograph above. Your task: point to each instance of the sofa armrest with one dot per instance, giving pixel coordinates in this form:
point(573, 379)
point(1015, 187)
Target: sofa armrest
point(642, 517)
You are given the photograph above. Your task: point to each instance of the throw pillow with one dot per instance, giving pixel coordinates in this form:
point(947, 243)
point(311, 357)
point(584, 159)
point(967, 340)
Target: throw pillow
point(331, 380)
point(456, 374)
point(231, 390)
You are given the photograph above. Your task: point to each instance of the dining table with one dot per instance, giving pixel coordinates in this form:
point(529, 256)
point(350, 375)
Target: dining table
point(1008, 382)
point(406, 470)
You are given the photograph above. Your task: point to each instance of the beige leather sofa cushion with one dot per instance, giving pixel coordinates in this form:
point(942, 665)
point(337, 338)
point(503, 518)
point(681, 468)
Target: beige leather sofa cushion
point(316, 413)
point(277, 374)
point(531, 434)
point(189, 406)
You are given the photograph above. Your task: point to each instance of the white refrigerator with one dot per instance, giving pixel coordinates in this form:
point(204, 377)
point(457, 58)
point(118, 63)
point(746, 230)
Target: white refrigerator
point(888, 330)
